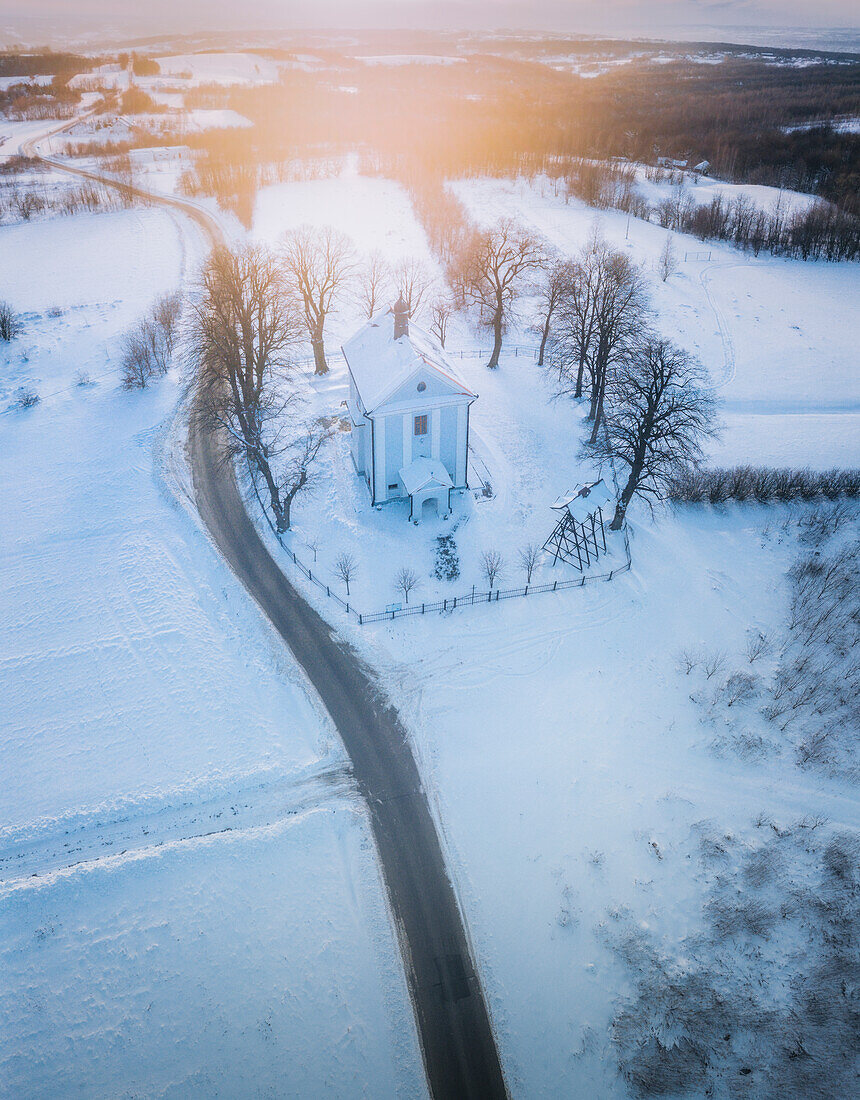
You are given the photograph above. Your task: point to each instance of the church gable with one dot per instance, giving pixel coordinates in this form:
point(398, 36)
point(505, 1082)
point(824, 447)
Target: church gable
point(426, 383)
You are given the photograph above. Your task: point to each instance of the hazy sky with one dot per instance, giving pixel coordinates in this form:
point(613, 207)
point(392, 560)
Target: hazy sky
point(587, 16)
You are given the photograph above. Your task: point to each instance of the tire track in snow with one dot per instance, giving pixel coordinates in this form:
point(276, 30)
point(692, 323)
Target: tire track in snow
point(729, 360)
point(32, 851)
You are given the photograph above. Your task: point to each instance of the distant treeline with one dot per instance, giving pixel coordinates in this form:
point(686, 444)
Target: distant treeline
point(45, 63)
point(819, 230)
point(487, 113)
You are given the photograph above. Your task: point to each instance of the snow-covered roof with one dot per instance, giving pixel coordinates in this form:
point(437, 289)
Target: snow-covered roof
point(423, 472)
point(379, 364)
point(585, 500)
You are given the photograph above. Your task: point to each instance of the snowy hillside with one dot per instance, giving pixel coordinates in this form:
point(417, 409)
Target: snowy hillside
point(762, 326)
point(189, 898)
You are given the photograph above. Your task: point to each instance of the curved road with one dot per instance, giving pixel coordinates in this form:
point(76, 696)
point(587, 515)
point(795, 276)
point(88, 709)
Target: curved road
point(459, 1050)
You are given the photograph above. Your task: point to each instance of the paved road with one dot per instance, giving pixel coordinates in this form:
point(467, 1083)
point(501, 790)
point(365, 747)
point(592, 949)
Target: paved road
point(460, 1055)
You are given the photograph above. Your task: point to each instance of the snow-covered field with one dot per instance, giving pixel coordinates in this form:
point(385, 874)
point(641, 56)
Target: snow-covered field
point(776, 335)
point(573, 776)
point(219, 68)
point(223, 925)
point(189, 900)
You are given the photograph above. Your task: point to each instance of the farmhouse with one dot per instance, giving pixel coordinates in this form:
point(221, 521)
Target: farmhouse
point(409, 413)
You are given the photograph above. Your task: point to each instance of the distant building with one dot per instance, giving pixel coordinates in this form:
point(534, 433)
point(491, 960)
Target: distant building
point(703, 167)
point(670, 162)
point(409, 413)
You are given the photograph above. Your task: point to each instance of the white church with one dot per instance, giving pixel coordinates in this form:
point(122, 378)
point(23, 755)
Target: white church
point(409, 413)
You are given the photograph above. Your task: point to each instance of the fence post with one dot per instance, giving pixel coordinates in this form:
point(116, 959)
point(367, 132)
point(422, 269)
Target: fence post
point(360, 623)
point(327, 591)
point(526, 591)
point(310, 575)
point(422, 608)
point(445, 605)
point(555, 585)
point(611, 571)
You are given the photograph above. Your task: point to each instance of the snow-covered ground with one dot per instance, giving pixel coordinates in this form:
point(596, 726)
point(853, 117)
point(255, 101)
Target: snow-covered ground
point(219, 68)
point(189, 896)
point(570, 771)
point(776, 335)
point(398, 59)
point(572, 774)
point(374, 213)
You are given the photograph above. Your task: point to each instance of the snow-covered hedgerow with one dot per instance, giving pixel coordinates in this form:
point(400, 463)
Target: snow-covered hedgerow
point(716, 485)
point(762, 1000)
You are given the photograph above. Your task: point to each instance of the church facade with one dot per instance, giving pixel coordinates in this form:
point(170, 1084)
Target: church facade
point(409, 414)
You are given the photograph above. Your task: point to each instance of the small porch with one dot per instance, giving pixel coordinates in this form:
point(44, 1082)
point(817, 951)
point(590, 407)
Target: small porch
point(426, 480)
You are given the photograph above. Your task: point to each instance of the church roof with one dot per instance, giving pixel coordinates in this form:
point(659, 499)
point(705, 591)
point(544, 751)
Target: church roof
point(424, 472)
point(379, 364)
point(585, 500)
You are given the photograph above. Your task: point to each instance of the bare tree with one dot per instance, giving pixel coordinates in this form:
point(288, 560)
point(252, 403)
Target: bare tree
point(320, 264)
point(440, 315)
point(668, 263)
point(554, 283)
point(345, 567)
point(529, 557)
point(297, 465)
point(620, 303)
point(758, 645)
point(10, 323)
point(492, 565)
point(413, 279)
point(576, 324)
point(242, 331)
point(375, 279)
point(712, 663)
point(313, 541)
point(165, 314)
point(491, 271)
point(406, 581)
point(660, 415)
point(142, 356)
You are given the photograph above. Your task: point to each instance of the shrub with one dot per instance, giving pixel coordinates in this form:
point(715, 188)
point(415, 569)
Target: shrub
point(718, 484)
point(447, 566)
point(10, 323)
point(26, 398)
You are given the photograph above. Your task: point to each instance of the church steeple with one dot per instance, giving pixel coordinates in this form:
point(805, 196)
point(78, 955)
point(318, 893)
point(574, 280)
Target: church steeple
point(401, 318)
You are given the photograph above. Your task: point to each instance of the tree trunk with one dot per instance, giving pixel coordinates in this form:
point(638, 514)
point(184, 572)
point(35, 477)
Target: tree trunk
point(320, 364)
point(281, 514)
point(497, 342)
point(598, 407)
point(543, 340)
point(628, 491)
point(580, 374)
